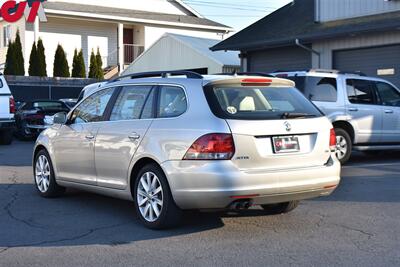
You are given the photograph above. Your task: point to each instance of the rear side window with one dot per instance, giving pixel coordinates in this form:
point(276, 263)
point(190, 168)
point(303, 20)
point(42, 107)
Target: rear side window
point(252, 103)
point(172, 102)
point(361, 92)
point(130, 102)
point(317, 88)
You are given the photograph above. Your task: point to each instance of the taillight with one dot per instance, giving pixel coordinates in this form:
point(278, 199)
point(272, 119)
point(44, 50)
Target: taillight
point(12, 105)
point(212, 147)
point(332, 140)
point(256, 82)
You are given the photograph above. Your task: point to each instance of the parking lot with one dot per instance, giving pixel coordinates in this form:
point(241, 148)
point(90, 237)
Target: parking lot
point(357, 226)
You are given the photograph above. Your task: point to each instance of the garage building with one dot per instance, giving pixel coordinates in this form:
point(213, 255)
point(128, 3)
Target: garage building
point(181, 52)
point(349, 35)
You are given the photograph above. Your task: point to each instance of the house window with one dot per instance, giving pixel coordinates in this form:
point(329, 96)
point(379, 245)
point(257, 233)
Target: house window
point(6, 35)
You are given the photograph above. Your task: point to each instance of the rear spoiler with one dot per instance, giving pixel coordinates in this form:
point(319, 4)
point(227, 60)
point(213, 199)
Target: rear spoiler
point(254, 81)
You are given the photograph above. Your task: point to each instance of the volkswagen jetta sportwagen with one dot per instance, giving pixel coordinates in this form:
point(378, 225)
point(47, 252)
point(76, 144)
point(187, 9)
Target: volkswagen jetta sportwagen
point(174, 141)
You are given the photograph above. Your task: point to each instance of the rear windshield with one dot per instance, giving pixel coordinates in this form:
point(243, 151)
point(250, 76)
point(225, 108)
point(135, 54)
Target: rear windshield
point(49, 105)
point(265, 103)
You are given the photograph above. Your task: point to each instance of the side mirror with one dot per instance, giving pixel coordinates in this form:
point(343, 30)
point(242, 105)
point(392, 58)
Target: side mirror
point(60, 118)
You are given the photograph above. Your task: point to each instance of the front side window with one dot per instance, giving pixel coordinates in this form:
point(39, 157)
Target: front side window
point(92, 108)
point(130, 102)
point(361, 92)
point(172, 102)
point(264, 103)
point(389, 95)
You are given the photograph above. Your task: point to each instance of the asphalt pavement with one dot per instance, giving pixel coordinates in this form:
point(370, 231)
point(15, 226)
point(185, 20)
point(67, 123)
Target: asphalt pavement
point(356, 226)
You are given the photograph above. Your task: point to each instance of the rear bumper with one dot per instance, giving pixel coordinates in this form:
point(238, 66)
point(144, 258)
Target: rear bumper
point(7, 125)
point(211, 185)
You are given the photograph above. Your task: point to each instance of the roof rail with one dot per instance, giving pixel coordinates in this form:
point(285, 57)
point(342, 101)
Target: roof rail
point(161, 74)
point(262, 74)
point(324, 71)
point(359, 73)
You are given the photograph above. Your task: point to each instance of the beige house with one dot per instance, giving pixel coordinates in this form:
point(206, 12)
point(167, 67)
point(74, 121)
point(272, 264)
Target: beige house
point(122, 29)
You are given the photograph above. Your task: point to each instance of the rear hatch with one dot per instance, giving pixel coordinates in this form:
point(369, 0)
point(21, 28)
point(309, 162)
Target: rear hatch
point(4, 100)
point(273, 125)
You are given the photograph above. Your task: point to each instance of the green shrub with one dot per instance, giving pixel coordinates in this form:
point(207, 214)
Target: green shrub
point(33, 62)
point(78, 65)
point(41, 59)
point(61, 68)
point(14, 59)
point(99, 63)
point(93, 66)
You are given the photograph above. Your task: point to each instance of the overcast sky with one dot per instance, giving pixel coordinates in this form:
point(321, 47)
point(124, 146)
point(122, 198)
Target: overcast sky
point(236, 13)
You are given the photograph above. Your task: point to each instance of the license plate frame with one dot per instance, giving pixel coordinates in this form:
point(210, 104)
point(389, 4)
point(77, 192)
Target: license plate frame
point(286, 144)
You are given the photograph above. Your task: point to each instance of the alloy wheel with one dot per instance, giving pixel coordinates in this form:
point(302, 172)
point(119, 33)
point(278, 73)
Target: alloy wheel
point(341, 147)
point(150, 196)
point(42, 173)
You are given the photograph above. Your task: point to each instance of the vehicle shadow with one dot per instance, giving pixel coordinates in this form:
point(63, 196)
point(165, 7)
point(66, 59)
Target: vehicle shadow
point(81, 218)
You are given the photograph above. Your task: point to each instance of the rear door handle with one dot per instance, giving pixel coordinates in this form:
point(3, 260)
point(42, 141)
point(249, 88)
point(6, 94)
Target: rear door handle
point(134, 136)
point(89, 137)
point(388, 111)
point(353, 109)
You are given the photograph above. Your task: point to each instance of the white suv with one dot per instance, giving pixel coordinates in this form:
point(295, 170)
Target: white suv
point(365, 111)
point(7, 110)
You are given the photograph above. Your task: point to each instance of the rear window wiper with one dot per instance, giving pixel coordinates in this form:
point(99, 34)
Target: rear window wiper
point(292, 115)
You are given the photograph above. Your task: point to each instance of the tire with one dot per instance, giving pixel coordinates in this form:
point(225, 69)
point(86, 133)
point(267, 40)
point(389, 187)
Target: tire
point(6, 137)
point(344, 145)
point(46, 185)
point(280, 208)
point(22, 133)
point(147, 202)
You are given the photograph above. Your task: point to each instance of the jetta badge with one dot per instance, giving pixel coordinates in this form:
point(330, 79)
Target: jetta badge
point(288, 126)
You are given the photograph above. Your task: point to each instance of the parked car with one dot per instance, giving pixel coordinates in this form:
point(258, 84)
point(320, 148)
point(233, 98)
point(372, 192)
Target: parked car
point(32, 117)
point(89, 89)
point(365, 111)
point(70, 102)
point(7, 110)
point(186, 141)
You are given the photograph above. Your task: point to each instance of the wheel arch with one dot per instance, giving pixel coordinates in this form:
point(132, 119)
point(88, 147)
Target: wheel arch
point(345, 125)
point(139, 164)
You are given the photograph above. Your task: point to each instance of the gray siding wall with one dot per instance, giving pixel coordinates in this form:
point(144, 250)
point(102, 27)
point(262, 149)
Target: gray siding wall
point(284, 58)
point(328, 10)
point(327, 47)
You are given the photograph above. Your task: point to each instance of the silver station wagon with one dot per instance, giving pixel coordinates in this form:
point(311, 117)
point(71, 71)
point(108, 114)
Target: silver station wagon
point(175, 141)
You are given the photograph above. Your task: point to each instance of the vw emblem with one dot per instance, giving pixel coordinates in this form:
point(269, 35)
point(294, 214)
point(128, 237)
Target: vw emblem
point(288, 126)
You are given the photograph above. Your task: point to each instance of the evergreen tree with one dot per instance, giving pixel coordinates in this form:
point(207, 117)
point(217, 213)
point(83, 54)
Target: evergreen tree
point(99, 63)
point(78, 65)
point(19, 56)
point(33, 62)
point(61, 68)
point(41, 59)
point(10, 60)
point(93, 66)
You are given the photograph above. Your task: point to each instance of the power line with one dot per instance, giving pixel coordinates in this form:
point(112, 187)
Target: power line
point(234, 8)
point(230, 5)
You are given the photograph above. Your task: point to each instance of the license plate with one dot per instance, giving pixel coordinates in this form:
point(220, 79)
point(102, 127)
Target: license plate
point(286, 144)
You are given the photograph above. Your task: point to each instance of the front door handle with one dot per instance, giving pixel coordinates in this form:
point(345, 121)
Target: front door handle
point(353, 109)
point(89, 137)
point(134, 136)
point(388, 111)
